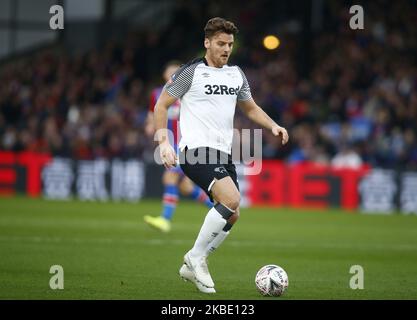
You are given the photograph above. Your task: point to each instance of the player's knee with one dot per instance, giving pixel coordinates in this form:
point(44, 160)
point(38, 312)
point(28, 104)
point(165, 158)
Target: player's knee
point(170, 178)
point(185, 189)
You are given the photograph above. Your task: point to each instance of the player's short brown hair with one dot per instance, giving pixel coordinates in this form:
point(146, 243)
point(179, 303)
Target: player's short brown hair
point(217, 24)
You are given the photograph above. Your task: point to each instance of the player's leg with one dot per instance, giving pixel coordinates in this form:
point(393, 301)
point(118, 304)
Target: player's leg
point(208, 176)
point(218, 240)
point(170, 197)
point(227, 196)
point(189, 189)
point(208, 241)
point(222, 216)
point(222, 235)
point(170, 180)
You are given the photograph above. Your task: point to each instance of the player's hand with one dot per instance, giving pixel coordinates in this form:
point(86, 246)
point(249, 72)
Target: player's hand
point(168, 156)
point(277, 130)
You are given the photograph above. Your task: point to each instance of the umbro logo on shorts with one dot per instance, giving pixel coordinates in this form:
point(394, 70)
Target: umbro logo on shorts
point(220, 170)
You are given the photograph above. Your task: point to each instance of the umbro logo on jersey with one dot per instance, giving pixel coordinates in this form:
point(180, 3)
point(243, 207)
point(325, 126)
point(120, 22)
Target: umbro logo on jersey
point(220, 170)
point(171, 79)
point(222, 89)
point(205, 75)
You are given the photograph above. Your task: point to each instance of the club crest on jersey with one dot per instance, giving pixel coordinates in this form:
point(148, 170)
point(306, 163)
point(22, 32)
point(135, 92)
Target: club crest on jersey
point(220, 90)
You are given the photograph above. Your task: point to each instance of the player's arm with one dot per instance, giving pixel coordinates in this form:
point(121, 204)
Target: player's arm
point(257, 115)
point(174, 89)
point(149, 124)
point(167, 153)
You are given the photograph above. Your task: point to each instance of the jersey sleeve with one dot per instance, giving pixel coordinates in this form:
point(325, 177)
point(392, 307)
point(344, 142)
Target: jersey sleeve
point(244, 92)
point(180, 81)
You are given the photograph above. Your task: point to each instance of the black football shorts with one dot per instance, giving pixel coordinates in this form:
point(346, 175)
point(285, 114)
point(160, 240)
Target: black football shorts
point(204, 165)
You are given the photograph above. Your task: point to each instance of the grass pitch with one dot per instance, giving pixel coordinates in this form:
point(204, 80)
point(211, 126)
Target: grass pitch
point(107, 252)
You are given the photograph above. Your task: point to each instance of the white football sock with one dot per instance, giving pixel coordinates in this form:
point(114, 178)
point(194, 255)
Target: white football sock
point(216, 242)
point(212, 226)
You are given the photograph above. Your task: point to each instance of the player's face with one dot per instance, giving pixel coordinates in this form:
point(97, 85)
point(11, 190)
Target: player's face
point(219, 47)
point(169, 71)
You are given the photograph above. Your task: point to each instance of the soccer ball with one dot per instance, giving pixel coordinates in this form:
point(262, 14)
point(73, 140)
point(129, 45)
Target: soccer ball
point(271, 280)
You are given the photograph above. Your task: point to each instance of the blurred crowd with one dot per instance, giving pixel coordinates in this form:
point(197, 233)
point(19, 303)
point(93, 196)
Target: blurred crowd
point(357, 104)
point(88, 106)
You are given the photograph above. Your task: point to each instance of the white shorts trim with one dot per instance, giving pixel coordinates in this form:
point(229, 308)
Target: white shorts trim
point(211, 185)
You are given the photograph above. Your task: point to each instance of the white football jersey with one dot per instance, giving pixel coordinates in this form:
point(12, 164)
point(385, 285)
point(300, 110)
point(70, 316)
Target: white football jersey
point(208, 100)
